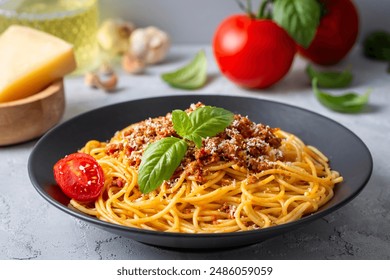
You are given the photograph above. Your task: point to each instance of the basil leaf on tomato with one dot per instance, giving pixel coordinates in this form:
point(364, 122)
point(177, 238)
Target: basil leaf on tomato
point(159, 162)
point(330, 79)
point(347, 103)
point(299, 18)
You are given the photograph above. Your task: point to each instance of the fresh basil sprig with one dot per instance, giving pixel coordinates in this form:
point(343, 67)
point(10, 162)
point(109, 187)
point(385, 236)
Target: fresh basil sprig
point(191, 76)
point(162, 157)
point(299, 18)
point(206, 122)
point(346, 103)
point(159, 161)
point(330, 79)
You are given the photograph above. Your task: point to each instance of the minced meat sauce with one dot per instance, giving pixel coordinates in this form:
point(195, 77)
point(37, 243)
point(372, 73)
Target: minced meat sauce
point(248, 144)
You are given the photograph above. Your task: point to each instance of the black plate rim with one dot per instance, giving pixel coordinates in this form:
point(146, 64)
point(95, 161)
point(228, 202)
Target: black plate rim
point(120, 228)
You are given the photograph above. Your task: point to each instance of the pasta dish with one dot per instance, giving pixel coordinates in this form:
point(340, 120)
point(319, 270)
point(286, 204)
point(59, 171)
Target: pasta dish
point(249, 176)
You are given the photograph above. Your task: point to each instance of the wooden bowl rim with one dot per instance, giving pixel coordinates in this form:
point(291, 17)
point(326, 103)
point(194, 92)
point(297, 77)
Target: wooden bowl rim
point(51, 89)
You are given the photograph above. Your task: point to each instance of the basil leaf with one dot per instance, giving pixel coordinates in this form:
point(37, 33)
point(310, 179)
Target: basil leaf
point(181, 123)
point(377, 45)
point(191, 76)
point(330, 79)
point(196, 139)
point(347, 103)
point(161, 158)
point(208, 121)
point(159, 162)
point(299, 18)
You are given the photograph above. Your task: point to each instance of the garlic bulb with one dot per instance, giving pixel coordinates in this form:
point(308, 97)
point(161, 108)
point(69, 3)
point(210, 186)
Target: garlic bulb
point(113, 35)
point(149, 44)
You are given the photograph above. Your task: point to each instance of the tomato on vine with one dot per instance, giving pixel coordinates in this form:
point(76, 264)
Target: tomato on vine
point(251, 50)
point(336, 33)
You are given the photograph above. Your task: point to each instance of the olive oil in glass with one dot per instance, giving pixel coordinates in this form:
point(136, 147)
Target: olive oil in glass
point(75, 21)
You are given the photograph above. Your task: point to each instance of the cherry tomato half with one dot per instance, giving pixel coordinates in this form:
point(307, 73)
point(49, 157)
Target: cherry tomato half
point(79, 176)
point(252, 53)
point(336, 33)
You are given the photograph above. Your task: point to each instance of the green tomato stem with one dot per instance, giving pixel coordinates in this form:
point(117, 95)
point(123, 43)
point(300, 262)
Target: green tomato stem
point(246, 8)
point(263, 6)
point(264, 11)
point(249, 8)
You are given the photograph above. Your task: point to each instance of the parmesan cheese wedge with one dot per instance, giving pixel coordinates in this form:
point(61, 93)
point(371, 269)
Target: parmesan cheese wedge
point(30, 60)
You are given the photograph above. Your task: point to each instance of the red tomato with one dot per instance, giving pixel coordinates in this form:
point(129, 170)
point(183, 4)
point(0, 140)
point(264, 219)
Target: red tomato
point(79, 176)
point(336, 33)
point(253, 53)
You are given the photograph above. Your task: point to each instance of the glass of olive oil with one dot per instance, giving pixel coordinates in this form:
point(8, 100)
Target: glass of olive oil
point(75, 21)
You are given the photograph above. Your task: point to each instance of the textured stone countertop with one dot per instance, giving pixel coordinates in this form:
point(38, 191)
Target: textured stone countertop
point(31, 228)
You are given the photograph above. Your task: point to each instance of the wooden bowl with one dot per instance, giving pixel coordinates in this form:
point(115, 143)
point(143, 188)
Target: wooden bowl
point(28, 118)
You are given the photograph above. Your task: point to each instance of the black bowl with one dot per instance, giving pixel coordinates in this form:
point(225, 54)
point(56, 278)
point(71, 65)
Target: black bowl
point(347, 154)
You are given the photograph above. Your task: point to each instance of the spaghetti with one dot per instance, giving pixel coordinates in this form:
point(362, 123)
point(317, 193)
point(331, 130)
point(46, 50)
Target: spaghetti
point(248, 177)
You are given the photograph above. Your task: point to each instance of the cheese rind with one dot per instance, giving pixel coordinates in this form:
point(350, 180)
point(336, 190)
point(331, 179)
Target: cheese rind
point(30, 60)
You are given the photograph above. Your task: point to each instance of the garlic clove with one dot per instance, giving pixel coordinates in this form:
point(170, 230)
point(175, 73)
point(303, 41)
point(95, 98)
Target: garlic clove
point(91, 79)
point(108, 84)
point(132, 64)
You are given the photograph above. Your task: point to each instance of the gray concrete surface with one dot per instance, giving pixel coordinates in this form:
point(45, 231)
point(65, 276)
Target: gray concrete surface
point(30, 228)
